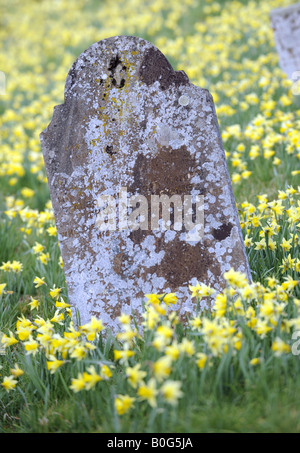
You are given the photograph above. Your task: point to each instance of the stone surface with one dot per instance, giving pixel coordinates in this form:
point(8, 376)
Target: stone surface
point(133, 127)
point(286, 25)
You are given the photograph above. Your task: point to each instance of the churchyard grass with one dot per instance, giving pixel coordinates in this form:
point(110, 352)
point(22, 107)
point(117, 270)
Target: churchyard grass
point(231, 369)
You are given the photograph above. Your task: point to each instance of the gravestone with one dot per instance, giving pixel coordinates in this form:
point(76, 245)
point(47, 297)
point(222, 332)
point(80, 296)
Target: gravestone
point(286, 26)
point(139, 182)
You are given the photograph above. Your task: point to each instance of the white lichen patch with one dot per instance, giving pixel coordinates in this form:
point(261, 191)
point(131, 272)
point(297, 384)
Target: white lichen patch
point(184, 100)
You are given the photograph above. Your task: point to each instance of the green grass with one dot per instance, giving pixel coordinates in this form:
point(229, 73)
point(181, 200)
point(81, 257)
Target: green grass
point(268, 402)
point(244, 411)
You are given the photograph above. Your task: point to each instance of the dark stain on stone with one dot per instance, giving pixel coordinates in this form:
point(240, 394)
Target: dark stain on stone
point(121, 85)
point(97, 314)
point(119, 264)
point(183, 261)
point(143, 124)
point(165, 174)
point(155, 67)
point(137, 236)
point(109, 150)
point(113, 64)
point(72, 74)
point(222, 232)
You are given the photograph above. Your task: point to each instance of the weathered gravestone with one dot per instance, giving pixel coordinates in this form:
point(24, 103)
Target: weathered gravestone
point(132, 157)
point(286, 25)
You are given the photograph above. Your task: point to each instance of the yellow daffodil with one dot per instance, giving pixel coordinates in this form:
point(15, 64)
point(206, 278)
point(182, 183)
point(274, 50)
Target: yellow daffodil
point(148, 392)
point(9, 383)
point(171, 391)
point(123, 403)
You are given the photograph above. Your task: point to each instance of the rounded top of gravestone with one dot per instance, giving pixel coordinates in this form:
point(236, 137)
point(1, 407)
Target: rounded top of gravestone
point(121, 61)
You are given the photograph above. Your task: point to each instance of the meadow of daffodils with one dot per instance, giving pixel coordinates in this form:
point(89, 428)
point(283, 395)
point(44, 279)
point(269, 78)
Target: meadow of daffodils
point(234, 367)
